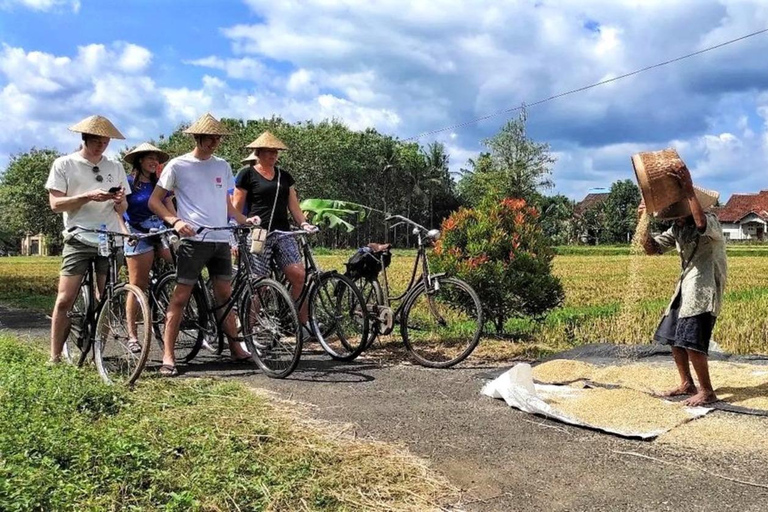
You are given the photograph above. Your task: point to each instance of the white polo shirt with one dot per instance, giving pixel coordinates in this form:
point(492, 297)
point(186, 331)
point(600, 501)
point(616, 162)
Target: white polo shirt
point(73, 174)
point(200, 187)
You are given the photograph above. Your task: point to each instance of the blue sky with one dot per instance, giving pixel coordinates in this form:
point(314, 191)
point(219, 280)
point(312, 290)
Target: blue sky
point(404, 67)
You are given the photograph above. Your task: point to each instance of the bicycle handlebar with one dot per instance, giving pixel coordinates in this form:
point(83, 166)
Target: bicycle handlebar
point(405, 220)
point(238, 227)
point(295, 233)
point(135, 236)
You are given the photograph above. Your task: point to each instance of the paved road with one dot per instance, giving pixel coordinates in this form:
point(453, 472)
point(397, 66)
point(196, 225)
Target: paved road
point(501, 458)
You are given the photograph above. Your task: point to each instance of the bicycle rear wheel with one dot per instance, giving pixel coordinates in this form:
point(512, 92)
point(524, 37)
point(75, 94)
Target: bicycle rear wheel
point(270, 327)
point(338, 316)
point(77, 344)
point(442, 326)
point(193, 323)
point(373, 296)
point(116, 361)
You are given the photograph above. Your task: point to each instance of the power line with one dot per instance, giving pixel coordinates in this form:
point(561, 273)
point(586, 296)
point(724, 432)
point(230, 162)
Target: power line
point(586, 87)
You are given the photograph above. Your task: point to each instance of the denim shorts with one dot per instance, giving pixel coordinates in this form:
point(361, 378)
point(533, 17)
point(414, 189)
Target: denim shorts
point(144, 245)
point(192, 256)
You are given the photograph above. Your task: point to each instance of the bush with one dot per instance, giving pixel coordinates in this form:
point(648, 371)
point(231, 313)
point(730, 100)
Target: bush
point(500, 249)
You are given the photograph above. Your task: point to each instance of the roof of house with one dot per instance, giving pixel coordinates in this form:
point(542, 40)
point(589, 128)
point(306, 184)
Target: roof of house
point(741, 205)
point(589, 201)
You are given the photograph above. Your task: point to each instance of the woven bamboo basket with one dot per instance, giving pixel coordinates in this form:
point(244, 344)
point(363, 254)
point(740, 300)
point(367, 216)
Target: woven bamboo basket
point(658, 189)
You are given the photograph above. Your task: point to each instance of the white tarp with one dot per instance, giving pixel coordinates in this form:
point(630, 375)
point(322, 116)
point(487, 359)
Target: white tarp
point(517, 389)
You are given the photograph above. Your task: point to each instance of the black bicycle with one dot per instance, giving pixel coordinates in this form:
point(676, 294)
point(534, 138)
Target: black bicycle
point(267, 316)
point(101, 325)
point(440, 317)
point(338, 318)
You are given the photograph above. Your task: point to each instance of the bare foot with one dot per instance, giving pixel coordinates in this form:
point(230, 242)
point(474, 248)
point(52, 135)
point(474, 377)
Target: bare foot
point(687, 388)
point(701, 398)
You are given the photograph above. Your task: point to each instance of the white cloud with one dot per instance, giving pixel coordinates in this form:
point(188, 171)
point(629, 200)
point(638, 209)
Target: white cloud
point(246, 68)
point(43, 5)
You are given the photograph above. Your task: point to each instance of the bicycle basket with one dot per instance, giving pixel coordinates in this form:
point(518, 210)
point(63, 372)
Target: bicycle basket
point(367, 264)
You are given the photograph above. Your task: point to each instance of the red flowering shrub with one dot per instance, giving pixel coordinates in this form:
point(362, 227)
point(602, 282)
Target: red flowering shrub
point(501, 251)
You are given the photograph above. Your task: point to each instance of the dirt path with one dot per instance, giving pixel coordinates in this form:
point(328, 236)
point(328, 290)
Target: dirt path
point(501, 458)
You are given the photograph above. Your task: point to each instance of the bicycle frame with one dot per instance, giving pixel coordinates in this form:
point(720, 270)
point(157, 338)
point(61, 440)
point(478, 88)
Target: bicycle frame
point(239, 282)
point(425, 278)
point(312, 270)
point(95, 305)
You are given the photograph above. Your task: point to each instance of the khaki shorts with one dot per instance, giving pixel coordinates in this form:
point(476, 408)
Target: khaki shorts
point(77, 256)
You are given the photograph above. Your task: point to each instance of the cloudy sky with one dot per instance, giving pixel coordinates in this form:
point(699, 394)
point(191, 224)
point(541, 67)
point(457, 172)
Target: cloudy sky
point(405, 67)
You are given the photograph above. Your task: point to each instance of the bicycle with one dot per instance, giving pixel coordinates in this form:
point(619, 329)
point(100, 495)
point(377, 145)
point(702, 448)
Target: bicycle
point(101, 326)
point(337, 312)
point(268, 318)
point(440, 317)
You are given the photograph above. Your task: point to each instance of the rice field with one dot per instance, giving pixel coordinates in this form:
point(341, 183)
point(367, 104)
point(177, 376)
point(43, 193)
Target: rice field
point(603, 303)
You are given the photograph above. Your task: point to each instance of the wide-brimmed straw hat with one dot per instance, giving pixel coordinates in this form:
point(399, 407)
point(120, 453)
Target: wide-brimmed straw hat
point(207, 125)
point(250, 158)
point(267, 141)
point(97, 125)
point(145, 147)
point(658, 188)
point(707, 199)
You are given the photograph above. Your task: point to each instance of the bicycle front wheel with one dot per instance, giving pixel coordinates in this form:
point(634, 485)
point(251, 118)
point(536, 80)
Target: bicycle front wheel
point(442, 326)
point(338, 316)
point(270, 327)
point(118, 360)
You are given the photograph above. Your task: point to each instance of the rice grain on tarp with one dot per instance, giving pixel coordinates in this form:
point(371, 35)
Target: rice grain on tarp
point(625, 410)
point(721, 432)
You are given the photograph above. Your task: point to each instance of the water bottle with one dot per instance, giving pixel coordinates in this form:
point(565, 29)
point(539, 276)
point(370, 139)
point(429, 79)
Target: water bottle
point(103, 245)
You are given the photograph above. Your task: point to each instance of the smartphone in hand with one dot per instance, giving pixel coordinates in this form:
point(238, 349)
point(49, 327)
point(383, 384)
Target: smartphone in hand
point(114, 190)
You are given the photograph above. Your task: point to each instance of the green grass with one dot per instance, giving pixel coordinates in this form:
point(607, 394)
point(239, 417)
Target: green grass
point(68, 442)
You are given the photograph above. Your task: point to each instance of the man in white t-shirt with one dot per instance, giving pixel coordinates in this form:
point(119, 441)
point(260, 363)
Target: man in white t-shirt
point(200, 182)
point(89, 189)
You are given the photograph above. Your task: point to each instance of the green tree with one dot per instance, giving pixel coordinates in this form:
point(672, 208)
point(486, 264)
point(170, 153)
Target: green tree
point(24, 206)
point(515, 166)
point(620, 212)
point(557, 219)
point(329, 161)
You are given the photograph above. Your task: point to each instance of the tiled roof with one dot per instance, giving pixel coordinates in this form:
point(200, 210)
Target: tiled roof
point(589, 201)
point(741, 205)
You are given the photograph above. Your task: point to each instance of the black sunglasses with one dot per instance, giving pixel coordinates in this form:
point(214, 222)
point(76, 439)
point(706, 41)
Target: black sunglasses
point(98, 176)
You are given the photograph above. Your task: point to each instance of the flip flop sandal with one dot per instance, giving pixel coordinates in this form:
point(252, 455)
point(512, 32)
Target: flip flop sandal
point(134, 346)
point(168, 370)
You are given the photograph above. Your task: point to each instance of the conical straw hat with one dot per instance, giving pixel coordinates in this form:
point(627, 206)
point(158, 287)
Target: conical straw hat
point(659, 190)
point(207, 125)
point(250, 158)
point(707, 199)
point(267, 141)
point(145, 147)
point(97, 125)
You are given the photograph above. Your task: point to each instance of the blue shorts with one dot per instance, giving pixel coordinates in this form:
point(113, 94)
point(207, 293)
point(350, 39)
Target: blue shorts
point(144, 245)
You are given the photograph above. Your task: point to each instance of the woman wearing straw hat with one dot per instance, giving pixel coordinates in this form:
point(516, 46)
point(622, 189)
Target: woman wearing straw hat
point(199, 181)
point(144, 160)
point(268, 191)
point(78, 186)
point(690, 317)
